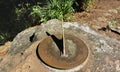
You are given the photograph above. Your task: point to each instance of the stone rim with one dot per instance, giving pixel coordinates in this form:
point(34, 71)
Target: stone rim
point(63, 64)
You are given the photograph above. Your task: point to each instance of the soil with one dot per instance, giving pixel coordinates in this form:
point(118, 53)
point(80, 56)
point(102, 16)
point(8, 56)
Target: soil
point(99, 14)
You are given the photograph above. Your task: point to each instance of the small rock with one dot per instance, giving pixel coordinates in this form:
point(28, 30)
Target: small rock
point(118, 9)
point(117, 62)
point(113, 11)
point(107, 14)
point(102, 19)
point(108, 61)
point(88, 70)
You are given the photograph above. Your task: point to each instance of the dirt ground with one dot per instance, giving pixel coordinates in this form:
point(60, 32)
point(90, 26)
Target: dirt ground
point(100, 14)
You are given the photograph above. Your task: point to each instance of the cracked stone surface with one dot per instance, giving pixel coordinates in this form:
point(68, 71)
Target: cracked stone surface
point(21, 57)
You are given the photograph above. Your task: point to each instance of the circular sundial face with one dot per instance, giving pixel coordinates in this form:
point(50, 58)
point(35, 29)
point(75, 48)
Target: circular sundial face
point(50, 54)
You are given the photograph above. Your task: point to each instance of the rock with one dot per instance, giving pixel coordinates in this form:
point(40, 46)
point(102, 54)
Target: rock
point(22, 56)
point(118, 8)
point(107, 14)
point(4, 48)
point(114, 26)
point(102, 19)
point(113, 11)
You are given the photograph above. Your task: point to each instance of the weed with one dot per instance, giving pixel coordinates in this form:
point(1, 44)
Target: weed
point(83, 5)
point(88, 3)
point(58, 9)
point(112, 24)
point(4, 37)
point(53, 9)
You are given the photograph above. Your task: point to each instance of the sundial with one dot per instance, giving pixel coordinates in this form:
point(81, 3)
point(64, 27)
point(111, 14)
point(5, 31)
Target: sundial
point(62, 51)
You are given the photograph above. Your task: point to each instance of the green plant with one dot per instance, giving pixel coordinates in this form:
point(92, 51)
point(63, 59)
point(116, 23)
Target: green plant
point(88, 3)
point(112, 24)
point(38, 12)
point(58, 9)
point(4, 37)
point(53, 9)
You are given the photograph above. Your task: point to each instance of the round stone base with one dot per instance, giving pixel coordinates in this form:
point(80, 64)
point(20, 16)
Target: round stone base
point(76, 50)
